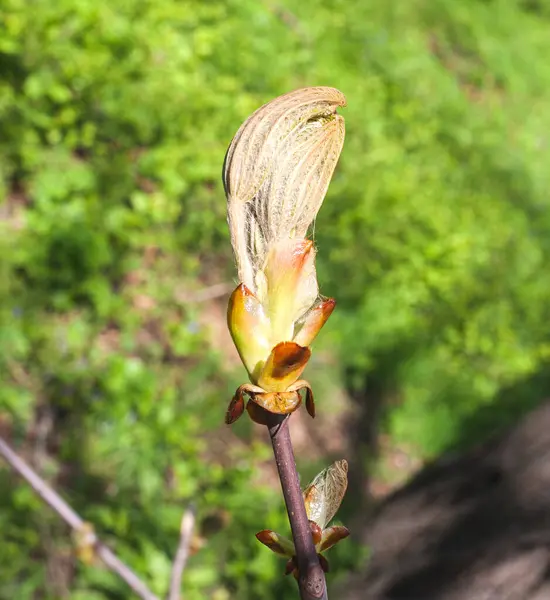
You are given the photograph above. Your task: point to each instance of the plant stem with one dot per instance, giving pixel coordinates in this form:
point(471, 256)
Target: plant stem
point(182, 554)
point(311, 580)
point(54, 500)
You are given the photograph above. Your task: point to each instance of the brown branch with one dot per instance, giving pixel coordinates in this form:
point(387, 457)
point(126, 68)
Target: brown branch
point(311, 580)
point(182, 554)
point(59, 505)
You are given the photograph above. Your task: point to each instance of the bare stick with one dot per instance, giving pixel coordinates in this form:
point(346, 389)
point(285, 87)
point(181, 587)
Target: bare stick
point(208, 293)
point(186, 533)
point(311, 580)
point(55, 501)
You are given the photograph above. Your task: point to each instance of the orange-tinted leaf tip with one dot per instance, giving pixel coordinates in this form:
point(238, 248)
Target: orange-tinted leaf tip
point(332, 535)
point(276, 543)
point(287, 357)
point(239, 293)
point(283, 366)
point(265, 536)
point(314, 321)
point(310, 402)
point(316, 532)
point(235, 409)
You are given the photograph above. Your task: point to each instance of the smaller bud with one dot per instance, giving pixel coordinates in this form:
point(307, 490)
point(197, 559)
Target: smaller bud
point(332, 535)
point(276, 543)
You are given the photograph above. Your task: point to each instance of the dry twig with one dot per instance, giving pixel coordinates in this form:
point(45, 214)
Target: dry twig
point(54, 500)
point(182, 554)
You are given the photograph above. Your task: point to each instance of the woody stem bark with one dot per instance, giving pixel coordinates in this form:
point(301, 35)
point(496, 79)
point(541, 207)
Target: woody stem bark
point(311, 580)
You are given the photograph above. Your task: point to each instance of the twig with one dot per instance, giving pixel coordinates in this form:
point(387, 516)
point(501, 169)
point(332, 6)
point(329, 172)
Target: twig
point(208, 293)
point(74, 520)
point(186, 533)
point(311, 579)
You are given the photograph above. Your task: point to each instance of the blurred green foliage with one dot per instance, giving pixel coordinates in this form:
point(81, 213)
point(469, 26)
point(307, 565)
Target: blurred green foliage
point(435, 240)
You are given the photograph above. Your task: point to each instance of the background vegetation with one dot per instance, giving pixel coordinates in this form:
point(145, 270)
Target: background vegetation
point(114, 372)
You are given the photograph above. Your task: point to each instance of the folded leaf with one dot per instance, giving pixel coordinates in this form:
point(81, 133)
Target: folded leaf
point(284, 366)
point(332, 535)
point(312, 322)
point(276, 543)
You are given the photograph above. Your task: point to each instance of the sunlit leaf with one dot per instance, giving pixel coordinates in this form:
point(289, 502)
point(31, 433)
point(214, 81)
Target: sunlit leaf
point(277, 171)
point(324, 494)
